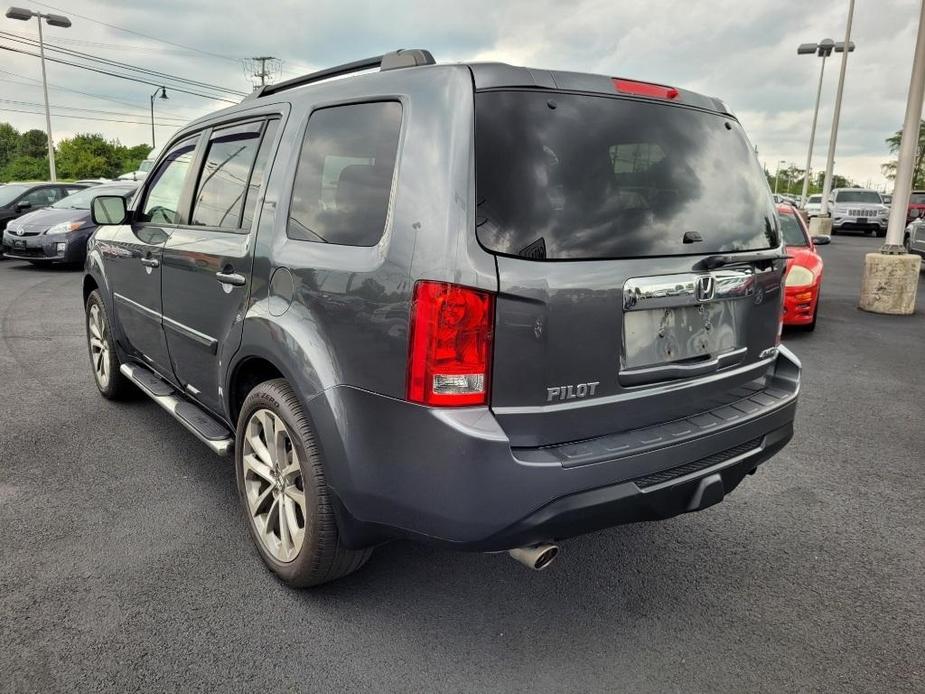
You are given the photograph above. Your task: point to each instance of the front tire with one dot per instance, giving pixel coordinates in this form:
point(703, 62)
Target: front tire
point(103, 358)
point(281, 483)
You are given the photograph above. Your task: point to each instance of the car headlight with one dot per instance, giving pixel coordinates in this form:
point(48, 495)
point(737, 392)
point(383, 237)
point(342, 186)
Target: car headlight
point(884, 212)
point(64, 228)
point(799, 276)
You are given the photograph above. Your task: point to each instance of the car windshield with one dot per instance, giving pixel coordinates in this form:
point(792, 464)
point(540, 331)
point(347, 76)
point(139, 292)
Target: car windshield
point(814, 199)
point(865, 196)
point(146, 165)
point(81, 200)
point(917, 199)
point(569, 176)
point(792, 231)
point(9, 193)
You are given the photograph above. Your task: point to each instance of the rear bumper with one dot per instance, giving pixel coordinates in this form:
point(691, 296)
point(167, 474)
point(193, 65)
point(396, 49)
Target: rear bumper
point(452, 477)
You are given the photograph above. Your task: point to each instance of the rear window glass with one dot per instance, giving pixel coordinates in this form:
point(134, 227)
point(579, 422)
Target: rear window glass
point(567, 176)
point(792, 231)
point(344, 176)
point(917, 199)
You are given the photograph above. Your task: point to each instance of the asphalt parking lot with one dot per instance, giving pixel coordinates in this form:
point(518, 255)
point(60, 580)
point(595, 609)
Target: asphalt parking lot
point(126, 564)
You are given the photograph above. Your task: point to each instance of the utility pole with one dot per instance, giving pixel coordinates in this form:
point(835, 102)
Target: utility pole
point(891, 276)
point(261, 72)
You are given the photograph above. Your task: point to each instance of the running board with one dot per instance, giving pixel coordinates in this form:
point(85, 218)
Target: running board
point(195, 420)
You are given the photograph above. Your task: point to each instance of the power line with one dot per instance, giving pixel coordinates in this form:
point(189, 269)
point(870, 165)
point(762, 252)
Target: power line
point(114, 74)
point(105, 120)
point(137, 33)
point(36, 84)
point(102, 45)
point(90, 110)
point(32, 43)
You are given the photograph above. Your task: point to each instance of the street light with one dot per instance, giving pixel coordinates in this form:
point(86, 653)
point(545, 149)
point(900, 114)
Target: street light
point(823, 223)
point(55, 20)
point(163, 95)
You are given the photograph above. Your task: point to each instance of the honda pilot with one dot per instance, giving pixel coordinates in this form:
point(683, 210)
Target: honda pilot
point(476, 305)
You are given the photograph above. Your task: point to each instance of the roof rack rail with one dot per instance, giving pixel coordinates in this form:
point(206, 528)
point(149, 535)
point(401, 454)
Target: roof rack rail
point(410, 57)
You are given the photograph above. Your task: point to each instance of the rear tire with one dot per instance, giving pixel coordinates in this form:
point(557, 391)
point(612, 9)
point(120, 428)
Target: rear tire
point(283, 491)
point(103, 357)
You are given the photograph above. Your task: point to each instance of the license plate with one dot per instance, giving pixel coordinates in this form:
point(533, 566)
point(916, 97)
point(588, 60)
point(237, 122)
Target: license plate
point(862, 220)
point(19, 244)
point(665, 335)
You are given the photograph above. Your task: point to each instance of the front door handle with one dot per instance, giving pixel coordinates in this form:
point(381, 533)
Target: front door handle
point(231, 278)
point(150, 262)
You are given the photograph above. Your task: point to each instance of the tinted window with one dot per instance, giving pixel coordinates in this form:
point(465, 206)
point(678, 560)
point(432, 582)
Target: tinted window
point(792, 231)
point(223, 180)
point(260, 166)
point(9, 193)
point(163, 198)
point(917, 199)
point(344, 177)
point(865, 196)
point(43, 196)
point(599, 177)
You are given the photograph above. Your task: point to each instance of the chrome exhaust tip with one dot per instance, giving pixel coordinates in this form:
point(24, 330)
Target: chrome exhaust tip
point(536, 558)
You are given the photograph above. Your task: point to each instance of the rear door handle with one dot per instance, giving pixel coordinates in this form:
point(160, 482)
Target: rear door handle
point(150, 262)
point(231, 278)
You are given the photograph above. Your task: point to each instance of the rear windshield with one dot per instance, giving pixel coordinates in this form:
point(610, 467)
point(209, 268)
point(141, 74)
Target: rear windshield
point(792, 231)
point(868, 196)
point(567, 176)
point(816, 199)
point(917, 199)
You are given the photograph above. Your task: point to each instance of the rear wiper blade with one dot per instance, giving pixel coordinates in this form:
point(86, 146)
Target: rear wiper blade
point(715, 261)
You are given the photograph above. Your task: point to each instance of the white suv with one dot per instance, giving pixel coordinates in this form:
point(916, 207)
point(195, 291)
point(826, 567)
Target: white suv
point(858, 208)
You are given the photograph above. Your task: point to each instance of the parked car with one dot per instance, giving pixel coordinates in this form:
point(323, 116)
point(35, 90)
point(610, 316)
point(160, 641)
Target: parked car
point(813, 206)
point(914, 238)
point(916, 209)
point(804, 270)
point(94, 181)
point(140, 173)
point(858, 209)
point(18, 198)
point(591, 338)
point(58, 233)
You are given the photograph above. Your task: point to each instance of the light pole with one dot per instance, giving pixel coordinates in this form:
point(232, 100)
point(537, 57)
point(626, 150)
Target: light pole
point(833, 137)
point(823, 49)
point(163, 95)
point(891, 277)
point(55, 20)
point(777, 175)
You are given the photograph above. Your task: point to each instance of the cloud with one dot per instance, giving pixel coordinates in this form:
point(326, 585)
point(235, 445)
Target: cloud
point(744, 53)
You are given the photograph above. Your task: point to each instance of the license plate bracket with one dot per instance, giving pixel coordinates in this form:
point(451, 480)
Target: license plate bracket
point(674, 334)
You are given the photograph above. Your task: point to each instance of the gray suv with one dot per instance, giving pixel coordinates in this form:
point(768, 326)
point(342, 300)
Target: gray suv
point(482, 306)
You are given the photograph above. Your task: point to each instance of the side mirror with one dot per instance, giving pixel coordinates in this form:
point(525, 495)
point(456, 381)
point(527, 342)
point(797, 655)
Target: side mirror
point(109, 209)
point(822, 240)
point(23, 205)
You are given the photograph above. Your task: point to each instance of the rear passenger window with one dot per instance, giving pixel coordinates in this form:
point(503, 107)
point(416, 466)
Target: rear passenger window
point(344, 175)
point(223, 180)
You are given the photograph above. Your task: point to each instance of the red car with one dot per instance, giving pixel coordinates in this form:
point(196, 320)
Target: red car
point(916, 207)
point(804, 270)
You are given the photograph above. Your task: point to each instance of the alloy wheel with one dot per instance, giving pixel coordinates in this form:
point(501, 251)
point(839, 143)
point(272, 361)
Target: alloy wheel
point(99, 345)
point(273, 485)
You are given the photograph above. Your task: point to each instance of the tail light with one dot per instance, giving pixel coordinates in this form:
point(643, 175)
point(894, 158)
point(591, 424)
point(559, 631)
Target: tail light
point(449, 357)
point(655, 91)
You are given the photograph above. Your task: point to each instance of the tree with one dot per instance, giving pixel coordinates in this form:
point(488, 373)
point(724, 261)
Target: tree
point(33, 143)
point(9, 143)
point(89, 155)
point(918, 170)
point(22, 168)
point(134, 156)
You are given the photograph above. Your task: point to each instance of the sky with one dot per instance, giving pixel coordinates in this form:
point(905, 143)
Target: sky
point(743, 51)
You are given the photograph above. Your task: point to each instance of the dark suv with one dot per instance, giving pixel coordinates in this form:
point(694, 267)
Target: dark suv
point(483, 306)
